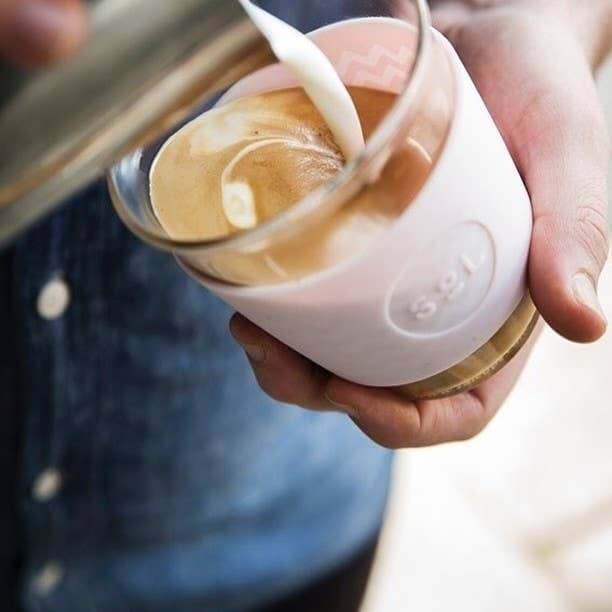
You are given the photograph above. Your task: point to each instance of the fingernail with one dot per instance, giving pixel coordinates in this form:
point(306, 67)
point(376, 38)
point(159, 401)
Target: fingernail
point(255, 352)
point(40, 25)
point(344, 408)
point(585, 294)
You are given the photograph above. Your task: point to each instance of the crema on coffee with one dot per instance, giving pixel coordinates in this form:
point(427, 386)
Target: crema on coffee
point(243, 163)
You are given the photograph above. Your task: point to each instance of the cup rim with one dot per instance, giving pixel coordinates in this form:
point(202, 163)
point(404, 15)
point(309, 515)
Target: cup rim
point(316, 200)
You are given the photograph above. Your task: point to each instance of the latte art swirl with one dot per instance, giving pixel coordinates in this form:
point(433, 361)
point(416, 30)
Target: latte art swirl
point(248, 161)
point(238, 192)
point(240, 164)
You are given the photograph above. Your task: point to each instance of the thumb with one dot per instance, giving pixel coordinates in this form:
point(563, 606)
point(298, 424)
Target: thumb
point(36, 32)
point(565, 165)
point(535, 79)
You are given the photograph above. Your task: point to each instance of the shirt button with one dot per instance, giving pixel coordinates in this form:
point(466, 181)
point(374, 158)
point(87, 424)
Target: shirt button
point(47, 485)
point(53, 299)
point(47, 579)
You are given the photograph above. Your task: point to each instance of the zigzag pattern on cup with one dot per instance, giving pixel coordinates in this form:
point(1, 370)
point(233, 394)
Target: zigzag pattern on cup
point(380, 68)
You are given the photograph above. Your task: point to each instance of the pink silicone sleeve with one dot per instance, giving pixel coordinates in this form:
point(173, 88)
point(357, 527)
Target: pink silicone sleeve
point(446, 276)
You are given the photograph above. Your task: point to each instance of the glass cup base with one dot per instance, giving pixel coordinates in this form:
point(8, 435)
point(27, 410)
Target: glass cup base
point(483, 363)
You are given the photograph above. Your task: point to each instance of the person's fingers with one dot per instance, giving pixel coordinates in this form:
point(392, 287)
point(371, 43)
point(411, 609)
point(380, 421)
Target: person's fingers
point(394, 422)
point(36, 32)
point(283, 374)
point(570, 235)
point(382, 414)
point(562, 151)
point(545, 103)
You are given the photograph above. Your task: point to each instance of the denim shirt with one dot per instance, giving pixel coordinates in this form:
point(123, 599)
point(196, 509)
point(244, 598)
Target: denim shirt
point(178, 484)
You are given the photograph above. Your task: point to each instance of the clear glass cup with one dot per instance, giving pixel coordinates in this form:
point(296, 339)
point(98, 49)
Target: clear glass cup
point(310, 237)
point(422, 113)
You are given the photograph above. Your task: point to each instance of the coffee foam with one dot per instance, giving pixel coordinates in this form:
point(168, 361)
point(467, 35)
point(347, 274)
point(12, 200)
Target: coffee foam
point(240, 164)
point(254, 158)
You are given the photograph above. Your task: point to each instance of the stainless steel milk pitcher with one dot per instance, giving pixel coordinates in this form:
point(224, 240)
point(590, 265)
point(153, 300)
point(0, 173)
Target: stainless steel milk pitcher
point(146, 65)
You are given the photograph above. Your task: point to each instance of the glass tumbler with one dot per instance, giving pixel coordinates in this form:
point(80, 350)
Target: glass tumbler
point(395, 273)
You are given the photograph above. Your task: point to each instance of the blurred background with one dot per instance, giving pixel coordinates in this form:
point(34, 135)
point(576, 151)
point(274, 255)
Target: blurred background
point(519, 519)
